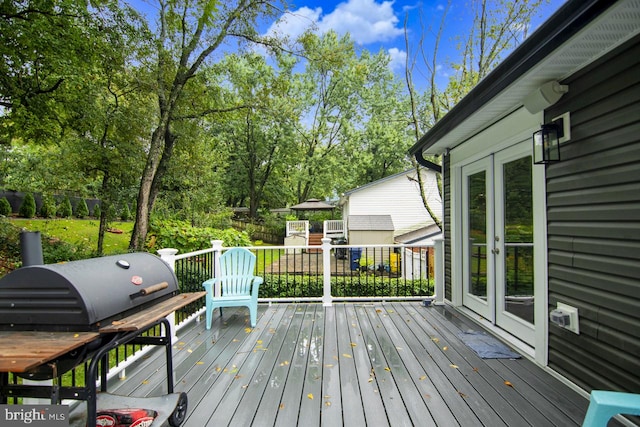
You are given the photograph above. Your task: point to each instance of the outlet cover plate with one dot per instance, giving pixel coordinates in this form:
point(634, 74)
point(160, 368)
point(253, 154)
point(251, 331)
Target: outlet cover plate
point(574, 325)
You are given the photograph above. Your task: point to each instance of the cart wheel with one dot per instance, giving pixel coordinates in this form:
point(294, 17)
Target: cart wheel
point(179, 414)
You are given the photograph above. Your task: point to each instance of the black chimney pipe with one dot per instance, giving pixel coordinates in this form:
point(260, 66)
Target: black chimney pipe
point(31, 248)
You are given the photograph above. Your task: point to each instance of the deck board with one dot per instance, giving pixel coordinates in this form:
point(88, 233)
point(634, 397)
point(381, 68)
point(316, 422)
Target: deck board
point(346, 400)
point(228, 370)
point(333, 375)
point(244, 369)
point(439, 347)
point(258, 380)
point(382, 378)
point(283, 407)
point(503, 398)
point(365, 394)
point(410, 394)
point(411, 352)
point(367, 364)
point(311, 399)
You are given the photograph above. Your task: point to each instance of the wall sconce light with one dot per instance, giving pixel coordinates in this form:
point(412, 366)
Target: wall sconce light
point(546, 142)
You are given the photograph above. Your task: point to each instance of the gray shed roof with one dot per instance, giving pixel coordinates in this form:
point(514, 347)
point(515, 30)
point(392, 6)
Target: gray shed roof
point(370, 223)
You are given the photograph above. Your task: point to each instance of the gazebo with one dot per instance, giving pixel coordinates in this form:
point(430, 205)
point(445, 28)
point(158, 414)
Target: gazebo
point(313, 205)
point(313, 232)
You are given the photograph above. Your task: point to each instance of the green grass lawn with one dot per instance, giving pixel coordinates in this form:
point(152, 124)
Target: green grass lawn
point(81, 232)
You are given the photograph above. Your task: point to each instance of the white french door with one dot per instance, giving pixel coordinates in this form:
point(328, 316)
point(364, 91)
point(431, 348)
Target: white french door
point(497, 240)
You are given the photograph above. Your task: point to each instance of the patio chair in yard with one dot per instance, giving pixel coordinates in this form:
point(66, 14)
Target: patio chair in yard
point(238, 284)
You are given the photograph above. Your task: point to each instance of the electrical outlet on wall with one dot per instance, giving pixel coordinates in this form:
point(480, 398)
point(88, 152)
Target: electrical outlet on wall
point(573, 324)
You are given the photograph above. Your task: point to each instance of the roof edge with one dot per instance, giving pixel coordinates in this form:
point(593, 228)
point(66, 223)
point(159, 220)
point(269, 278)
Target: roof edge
point(560, 27)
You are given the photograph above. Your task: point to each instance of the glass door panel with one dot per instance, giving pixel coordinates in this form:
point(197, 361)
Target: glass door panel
point(497, 224)
point(518, 243)
point(478, 234)
point(478, 238)
point(515, 302)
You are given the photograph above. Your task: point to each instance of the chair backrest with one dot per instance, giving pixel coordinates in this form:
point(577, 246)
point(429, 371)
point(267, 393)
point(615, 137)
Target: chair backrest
point(236, 272)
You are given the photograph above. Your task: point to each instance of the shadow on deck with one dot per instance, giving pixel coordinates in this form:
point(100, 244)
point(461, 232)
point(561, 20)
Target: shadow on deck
point(353, 365)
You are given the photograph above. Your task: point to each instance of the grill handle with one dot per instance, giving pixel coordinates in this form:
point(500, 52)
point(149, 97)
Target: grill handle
point(149, 290)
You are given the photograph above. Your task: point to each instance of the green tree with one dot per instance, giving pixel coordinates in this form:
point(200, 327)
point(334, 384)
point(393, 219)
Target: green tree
point(186, 36)
point(64, 209)
point(81, 209)
point(5, 207)
point(69, 77)
point(48, 208)
point(28, 206)
point(125, 213)
point(351, 126)
point(97, 211)
point(258, 140)
point(42, 169)
point(380, 144)
point(498, 27)
point(47, 48)
point(110, 116)
point(326, 96)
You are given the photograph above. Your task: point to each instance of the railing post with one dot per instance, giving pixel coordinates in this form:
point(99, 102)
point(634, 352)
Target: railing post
point(327, 299)
point(168, 255)
point(217, 251)
point(438, 270)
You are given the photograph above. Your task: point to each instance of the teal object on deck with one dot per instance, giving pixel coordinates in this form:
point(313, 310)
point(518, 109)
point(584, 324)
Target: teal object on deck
point(238, 284)
point(604, 405)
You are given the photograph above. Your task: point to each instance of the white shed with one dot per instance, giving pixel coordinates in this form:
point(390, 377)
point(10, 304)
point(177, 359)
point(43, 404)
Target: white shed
point(370, 230)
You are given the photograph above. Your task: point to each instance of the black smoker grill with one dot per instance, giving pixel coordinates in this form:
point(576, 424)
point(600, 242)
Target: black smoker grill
point(85, 309)
point(83, 295)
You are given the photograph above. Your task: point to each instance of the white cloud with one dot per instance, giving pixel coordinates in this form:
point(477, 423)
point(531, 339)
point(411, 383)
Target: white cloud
point(398, 59)
point(293, 24)
point(365, 20)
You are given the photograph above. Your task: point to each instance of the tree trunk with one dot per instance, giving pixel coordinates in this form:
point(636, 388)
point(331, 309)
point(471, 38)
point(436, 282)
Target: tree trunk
point(143, 210)
point(163, 166)
point(103, 215)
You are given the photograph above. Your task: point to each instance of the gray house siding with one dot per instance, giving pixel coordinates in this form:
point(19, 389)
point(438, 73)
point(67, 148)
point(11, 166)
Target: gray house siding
point(593, 212)
point(446, 182)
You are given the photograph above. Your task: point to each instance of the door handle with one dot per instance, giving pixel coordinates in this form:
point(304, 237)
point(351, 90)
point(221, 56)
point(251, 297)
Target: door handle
point(495, 251)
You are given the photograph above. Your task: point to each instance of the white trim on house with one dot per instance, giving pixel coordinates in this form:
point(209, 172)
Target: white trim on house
point(511, 130)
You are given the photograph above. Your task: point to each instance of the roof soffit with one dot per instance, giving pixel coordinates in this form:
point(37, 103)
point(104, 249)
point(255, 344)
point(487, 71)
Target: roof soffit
point(610, 29)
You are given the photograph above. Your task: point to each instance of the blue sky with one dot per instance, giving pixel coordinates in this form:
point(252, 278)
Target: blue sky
point(378, 24)
point(375, 24)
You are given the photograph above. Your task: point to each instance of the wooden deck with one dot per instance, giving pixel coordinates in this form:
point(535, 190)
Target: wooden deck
point(396, 364)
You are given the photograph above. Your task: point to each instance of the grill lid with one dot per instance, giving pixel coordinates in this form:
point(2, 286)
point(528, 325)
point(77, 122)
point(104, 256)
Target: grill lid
point(83, 295)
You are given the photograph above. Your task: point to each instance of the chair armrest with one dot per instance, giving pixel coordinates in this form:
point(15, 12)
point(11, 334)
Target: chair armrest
point(208, 285)
point(257, 281)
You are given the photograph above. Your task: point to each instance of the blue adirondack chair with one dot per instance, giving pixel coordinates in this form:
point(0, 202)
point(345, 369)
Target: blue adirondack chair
point(238, 284)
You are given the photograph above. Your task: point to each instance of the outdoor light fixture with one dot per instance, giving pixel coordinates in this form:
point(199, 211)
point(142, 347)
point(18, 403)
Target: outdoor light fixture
point(546, 143)
point(544, 96)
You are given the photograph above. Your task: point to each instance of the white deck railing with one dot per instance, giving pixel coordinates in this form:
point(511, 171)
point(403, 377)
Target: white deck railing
point(334, 228)
point(298, 228)
point(171, 256)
